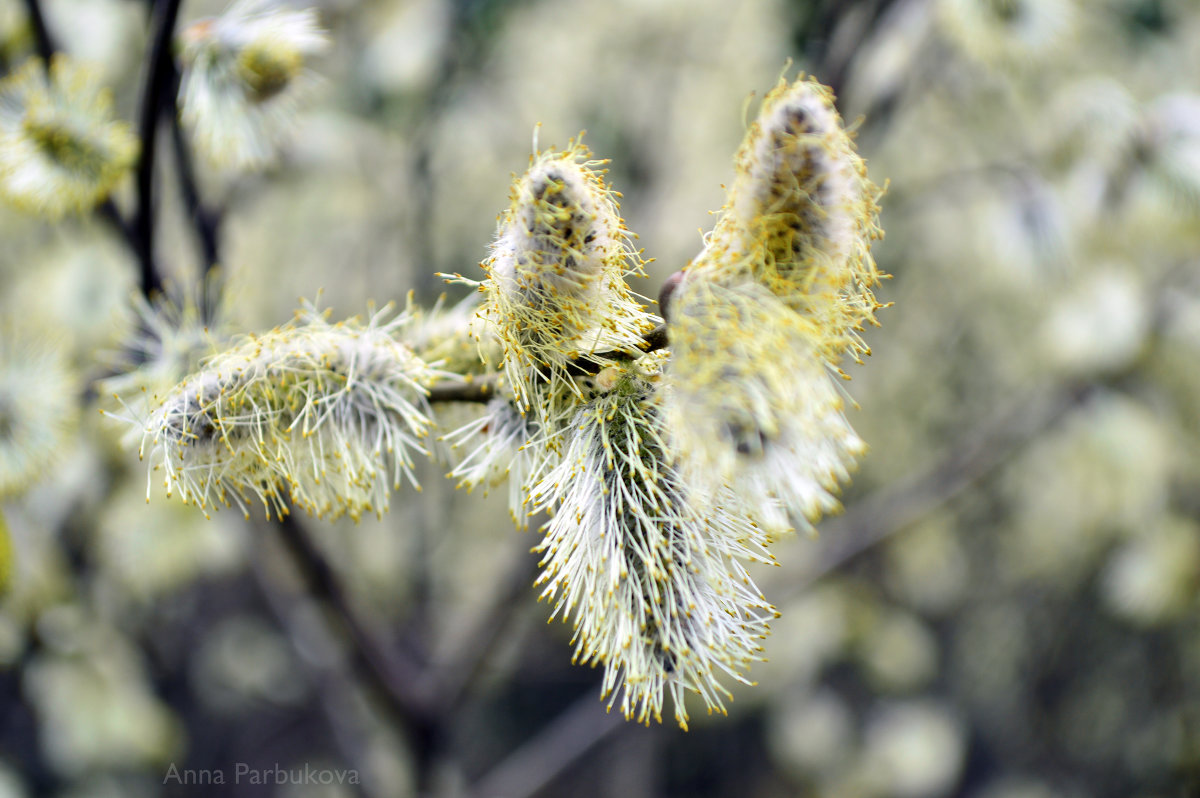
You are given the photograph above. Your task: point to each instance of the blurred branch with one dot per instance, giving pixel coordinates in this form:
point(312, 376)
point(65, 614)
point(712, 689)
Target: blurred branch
point(399, 680)
point(579, 729)
point(480, 389)
point(161, 74)
point(896, 507)
point(332, 683)
point(842, 29)
point(466, 665)
point(956, 185)
point(205, 223)
point(41, 36)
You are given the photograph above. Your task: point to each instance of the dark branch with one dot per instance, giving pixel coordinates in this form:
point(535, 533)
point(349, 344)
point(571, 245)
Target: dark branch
point(205, 223)
point(593, 364)
point(161, 74)
point(579, 729)
point(400, 682)
point(41, 35)
point(482, 389)
point(467, 665)
point(479, 389)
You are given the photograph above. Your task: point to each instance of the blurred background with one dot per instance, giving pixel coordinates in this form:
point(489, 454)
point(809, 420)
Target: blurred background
point(1009, 606)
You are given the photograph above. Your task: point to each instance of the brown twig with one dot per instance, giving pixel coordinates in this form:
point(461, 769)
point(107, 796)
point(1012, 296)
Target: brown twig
point(479, 389)
point(399, 680)
point(578, 730)
point(466, 665)
point(41, 35)
point(161, 73)
point(333, 685)
point(896, 507)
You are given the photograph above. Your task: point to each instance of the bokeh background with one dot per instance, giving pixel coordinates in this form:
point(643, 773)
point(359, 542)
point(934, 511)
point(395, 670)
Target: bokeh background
point(1008, 607)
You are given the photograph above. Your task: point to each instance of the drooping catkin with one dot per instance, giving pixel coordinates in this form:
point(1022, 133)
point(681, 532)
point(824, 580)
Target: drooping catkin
point(503, 444)
point(654, 590)
point(326, 416)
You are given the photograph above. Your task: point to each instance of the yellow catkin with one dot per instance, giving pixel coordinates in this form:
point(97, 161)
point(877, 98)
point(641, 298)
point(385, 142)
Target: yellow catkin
point(800, 218)
point(556, 293)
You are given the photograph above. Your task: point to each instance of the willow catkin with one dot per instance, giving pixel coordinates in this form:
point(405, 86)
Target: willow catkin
point(654, 589)
point(324, 416)
point(800, 218)
point(773, 303)
point(556, 294)
point(62, 150)
point(244, 76)
point(751, 405)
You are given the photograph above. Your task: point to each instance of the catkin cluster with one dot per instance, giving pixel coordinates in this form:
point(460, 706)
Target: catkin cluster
point(664, 465)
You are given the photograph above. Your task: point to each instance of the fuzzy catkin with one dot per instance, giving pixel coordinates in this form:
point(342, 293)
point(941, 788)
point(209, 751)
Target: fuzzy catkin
point(800, 217)
point(655, 590)
point(556, 293)
point(326, 416)
point(61, 148)
point(751, 405)
point(245, 74)
point(769, 308)
point(38, 395)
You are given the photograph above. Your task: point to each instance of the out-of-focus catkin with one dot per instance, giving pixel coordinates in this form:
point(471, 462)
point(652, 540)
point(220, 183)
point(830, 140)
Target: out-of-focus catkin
point(800, 217)
point(771, 306)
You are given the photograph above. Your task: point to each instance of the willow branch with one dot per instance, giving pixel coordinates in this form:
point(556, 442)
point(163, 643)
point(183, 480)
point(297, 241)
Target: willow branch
point(478, 389)
point(41, 35)
point(578, 730)
point(334, 686)
point(206, 224)
point(897, 507)
point(400, 682)
point(161, 74)
point(486, 632)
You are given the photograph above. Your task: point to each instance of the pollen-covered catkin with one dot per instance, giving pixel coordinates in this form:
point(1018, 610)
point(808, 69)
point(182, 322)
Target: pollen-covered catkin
point(654, 590)
point(556, 293)
point(62, 150)
point(770, 307)
point(502, 444)
point(325, 415)
point(751, 405)
point(800, 217)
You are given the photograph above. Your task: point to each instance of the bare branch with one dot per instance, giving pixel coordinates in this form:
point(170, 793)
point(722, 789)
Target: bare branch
point(579, 729)
point(161, 74)
point(896, 507)
point(399, 681)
